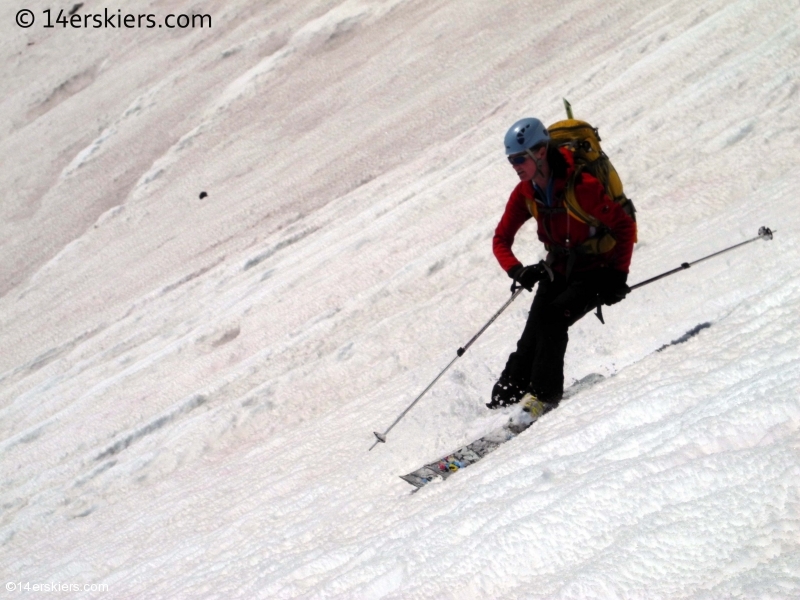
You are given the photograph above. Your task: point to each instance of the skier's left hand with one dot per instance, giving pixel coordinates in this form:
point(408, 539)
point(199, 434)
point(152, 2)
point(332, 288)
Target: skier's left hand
point(612, 286)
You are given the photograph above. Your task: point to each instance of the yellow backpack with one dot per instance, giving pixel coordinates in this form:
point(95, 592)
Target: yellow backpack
point(583, 141)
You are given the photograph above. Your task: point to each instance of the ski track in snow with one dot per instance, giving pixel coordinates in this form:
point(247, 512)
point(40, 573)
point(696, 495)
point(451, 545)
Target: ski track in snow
point(188, 386)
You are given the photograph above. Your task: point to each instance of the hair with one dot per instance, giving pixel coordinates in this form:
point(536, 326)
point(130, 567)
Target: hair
point(557, 162)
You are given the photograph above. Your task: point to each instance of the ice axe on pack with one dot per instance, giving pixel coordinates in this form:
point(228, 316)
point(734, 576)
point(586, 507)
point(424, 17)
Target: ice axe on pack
point(764, 233)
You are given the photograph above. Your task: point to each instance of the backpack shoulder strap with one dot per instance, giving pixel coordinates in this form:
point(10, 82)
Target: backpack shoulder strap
point(530, 202)
point(573, 206)
point(532, 207)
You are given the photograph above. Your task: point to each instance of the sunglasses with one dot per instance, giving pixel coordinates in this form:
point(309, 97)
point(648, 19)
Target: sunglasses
point(518, 159)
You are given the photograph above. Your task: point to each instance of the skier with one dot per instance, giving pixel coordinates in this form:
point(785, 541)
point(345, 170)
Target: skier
point(578, 274)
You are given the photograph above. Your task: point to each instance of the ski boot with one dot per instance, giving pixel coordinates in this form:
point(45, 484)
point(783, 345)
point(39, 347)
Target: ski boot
point(535, 407)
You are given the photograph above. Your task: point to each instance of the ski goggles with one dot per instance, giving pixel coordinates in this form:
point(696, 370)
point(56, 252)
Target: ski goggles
point(518, 159)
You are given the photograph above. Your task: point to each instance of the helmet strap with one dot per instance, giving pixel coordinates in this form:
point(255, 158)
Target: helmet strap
point(538, 161)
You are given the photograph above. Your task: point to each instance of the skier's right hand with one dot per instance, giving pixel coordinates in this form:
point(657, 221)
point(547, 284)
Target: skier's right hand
point(528, 276)
point(611, 285)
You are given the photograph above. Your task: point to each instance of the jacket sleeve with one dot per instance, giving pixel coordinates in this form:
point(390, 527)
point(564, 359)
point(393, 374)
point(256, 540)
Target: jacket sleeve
point(513, 218)
point(613, 216)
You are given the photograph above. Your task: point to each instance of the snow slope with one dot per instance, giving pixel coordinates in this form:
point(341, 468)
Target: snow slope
point(188, 386)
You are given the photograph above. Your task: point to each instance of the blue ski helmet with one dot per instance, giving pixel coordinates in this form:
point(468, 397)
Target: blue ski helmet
point(524, 135)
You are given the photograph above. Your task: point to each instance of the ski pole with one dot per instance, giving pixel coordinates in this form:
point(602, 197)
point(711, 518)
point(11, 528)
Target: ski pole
point(459, 353)
point(764, 233)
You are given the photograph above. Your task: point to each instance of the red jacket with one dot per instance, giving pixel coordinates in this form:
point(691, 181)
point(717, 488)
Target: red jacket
point(560, 231)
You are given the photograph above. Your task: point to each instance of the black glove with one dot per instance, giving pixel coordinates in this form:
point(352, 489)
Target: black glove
point(611, 286)
point(529, 276)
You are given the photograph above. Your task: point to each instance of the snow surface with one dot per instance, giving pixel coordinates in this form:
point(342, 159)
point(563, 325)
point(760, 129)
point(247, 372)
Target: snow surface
point(188, 387)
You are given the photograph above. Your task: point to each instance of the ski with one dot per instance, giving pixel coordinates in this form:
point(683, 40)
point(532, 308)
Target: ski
point(518, 422)
point(467, 455)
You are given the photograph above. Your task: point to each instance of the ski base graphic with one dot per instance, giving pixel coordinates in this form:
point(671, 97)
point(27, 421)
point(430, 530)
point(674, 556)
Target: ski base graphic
point(472, 453)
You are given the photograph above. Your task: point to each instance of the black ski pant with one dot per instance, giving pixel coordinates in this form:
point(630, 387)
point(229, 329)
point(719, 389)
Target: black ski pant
point(537, 365)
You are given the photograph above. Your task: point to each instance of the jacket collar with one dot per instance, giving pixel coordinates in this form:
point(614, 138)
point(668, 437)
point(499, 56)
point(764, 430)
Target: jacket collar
point(556, 185)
